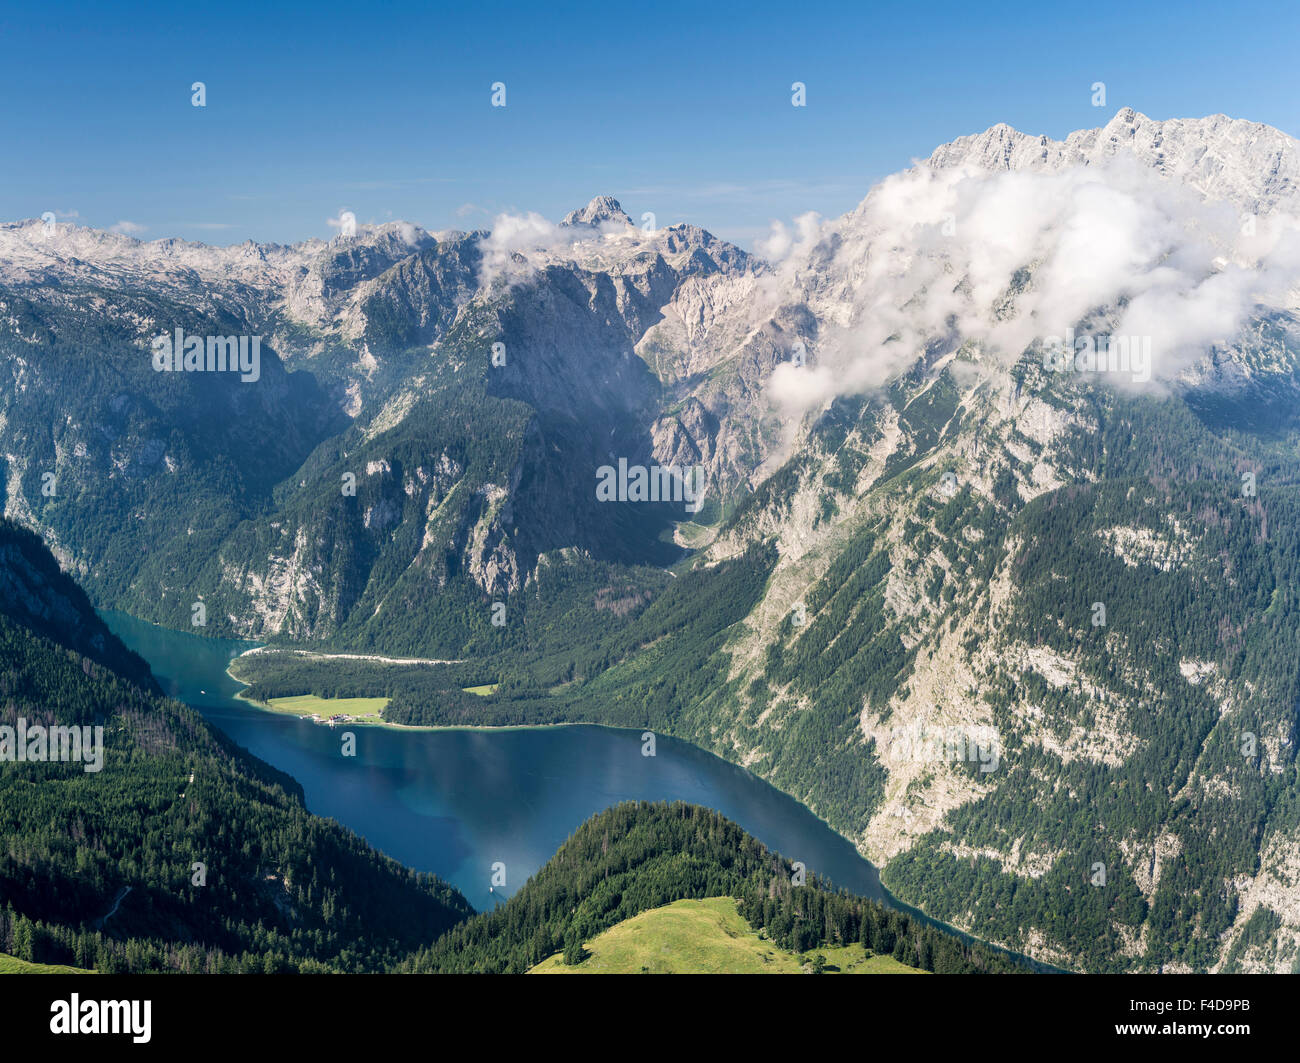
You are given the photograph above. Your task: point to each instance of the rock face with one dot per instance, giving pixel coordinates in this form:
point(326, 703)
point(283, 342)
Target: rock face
point(600, 210)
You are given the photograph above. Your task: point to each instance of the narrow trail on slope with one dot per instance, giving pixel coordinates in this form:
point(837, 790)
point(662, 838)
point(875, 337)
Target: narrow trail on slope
point(117, 901)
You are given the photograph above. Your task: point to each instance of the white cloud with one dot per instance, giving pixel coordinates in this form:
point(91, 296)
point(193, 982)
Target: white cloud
point(345, 220)
point(519, 243)
point(505, 247)
point(782, 243)
point(127, 228)
point(934, 254)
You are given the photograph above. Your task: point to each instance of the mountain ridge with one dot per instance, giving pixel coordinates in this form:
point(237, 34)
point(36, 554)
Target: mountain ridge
point(1266, 175)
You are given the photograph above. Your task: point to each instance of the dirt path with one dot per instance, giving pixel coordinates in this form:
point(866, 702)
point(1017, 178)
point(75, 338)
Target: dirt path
point(117, 901)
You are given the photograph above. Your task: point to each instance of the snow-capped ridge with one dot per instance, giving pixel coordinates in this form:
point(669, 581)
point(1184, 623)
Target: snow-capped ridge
point(1251, 165)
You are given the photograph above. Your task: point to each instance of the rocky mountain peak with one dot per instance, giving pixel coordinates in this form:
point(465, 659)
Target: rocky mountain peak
point(600, 210)
point(1246, 163)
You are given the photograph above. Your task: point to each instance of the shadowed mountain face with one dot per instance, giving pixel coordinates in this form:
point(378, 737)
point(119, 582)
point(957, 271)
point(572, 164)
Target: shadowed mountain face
point(37, 595)
point(110, 858)
point(1003, 460)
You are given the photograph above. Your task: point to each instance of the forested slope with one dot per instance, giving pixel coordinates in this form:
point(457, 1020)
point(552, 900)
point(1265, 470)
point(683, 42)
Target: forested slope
point(280, 889)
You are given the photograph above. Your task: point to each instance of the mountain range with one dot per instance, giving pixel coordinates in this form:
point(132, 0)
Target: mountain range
point(910, 519)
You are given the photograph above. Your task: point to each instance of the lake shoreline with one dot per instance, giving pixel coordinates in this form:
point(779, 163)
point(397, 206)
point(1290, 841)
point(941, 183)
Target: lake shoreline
point(751, 809)
point(271, 710)
point(889, 899)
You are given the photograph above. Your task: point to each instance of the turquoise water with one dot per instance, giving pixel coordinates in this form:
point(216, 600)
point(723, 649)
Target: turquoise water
point(455, 802)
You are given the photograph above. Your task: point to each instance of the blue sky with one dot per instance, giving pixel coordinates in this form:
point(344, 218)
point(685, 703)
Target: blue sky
point(679, 109)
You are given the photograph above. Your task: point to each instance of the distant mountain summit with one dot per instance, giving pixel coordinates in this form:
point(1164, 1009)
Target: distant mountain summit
point(1252, 165)
point(600, 210)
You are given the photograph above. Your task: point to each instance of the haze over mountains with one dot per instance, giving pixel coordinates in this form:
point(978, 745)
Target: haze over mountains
point(922, 514)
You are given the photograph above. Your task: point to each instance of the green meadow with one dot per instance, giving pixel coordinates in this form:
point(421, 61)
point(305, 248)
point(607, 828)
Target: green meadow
point(309, 704)
point(707, 937)
point(13, 965)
